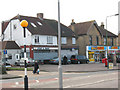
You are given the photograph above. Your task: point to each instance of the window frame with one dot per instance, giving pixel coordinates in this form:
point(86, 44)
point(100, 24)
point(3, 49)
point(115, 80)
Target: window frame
point(90, 40)
point(73, 40)
point(105, 41)
point(49, 40)
point(97, 40)
point(112, 42)
point(64, 40)
point(37, 40)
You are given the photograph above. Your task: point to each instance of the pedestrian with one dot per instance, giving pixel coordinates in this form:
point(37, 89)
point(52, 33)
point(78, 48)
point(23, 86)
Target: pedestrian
point(65, 60)
point(36, 68)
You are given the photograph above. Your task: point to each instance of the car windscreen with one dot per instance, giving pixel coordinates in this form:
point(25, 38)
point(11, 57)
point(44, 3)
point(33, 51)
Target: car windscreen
point(81, 57)
point(73, 56)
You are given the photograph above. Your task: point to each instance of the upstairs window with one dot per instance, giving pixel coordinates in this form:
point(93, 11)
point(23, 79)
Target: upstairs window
point(73, 41)
point(97, 40)
point(49, 40)
point(36, 39)
point(105, 41)
point(15, 26)
point(111, 41)
point(64, 40)
point(90, 40)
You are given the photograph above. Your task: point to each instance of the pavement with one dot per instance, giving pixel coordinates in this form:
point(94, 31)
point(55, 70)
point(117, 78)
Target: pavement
point(53, 69)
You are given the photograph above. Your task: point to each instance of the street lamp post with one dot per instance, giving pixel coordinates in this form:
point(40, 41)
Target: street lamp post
point(59, 49)
point(107, 36)
point(24, 24)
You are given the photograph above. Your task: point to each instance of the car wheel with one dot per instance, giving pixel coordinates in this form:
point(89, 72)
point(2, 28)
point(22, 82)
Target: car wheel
point(87, 62)
point(79, 62)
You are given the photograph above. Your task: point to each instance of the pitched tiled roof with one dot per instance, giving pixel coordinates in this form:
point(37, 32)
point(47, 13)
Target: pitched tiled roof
point(82, 28)
point(43, 29)
point(47, 27)
point(103, 32)
point(65, 31)
point(4, 25)
point(9, 45)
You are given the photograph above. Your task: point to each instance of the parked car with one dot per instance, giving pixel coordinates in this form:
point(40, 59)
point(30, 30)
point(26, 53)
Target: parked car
point(77, 59)
point(29, 61)
point(5, 62)
point(55, 60)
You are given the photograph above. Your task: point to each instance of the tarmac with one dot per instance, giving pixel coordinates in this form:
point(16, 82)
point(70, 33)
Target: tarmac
point(43, 71)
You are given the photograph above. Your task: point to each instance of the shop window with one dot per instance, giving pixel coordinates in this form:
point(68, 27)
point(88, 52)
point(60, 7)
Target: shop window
point(90, 40)
point(111, 41)
point(36, 39)
point(49, 40)
point(97, 40)
point(73, 41)
point(64, 40)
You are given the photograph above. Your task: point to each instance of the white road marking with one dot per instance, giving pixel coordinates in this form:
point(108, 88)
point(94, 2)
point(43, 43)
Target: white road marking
point(37, 81)
point(16, 83)
point(88, 76)
point(89, 83)
point(56, 78)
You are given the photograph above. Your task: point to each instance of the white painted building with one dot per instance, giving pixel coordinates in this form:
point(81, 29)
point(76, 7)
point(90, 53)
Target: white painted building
point(41, 37)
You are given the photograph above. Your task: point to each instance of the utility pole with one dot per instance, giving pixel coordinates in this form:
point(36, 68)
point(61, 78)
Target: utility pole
point(59, 49)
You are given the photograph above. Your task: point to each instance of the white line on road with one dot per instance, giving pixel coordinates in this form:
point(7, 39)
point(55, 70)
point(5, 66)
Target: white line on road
point(56, 78)
point(16, 83)
point(37, 81)
point(88, 76)
point(89, 83)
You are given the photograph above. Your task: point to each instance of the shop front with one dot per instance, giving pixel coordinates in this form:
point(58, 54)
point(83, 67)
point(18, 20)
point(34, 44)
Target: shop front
point(96, 53)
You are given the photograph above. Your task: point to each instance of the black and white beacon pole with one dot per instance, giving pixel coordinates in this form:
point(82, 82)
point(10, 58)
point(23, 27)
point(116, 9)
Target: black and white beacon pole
point(24, 24)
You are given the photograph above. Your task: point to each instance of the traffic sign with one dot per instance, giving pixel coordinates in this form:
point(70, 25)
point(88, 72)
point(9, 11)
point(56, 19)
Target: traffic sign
point(5, 52)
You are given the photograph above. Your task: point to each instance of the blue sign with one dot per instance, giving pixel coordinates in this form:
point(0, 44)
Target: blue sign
point(5, 52)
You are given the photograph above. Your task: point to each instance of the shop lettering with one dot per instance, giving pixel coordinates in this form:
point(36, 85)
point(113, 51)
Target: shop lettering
point(93, 48)
point(100, 48)
point(114, 47)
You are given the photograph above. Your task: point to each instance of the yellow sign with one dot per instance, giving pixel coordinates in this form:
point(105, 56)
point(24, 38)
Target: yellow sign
point(110, 65)
point(92, 60)
point(91, 52)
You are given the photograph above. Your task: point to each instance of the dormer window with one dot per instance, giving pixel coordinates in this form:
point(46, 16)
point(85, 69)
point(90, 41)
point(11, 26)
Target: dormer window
point(39, 23)
point(33, 24)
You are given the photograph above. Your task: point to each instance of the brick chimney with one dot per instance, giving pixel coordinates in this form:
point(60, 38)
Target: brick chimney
point(40, 15)
point(72, 25)
point(72, 22)
point(102, 25)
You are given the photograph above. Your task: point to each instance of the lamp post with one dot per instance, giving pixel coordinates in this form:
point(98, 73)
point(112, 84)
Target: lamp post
point(59, 49)
point(107, 36)
point(24, 24)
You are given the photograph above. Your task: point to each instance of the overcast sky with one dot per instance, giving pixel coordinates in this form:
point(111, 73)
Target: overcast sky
point(79, 10)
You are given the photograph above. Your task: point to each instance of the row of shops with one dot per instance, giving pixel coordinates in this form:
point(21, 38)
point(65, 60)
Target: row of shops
point(97, 53)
